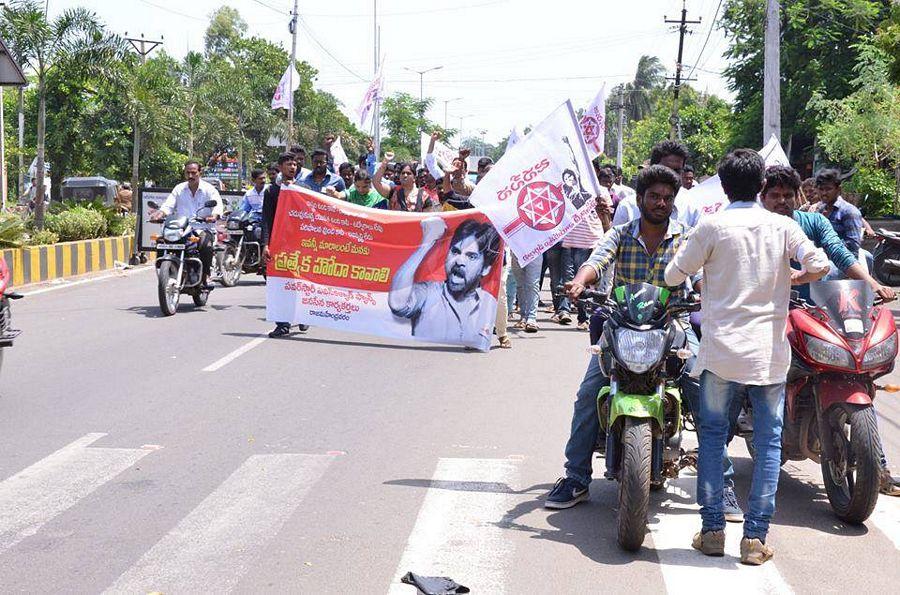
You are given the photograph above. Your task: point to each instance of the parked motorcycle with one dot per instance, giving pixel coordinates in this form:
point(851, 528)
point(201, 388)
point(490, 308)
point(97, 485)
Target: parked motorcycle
point(7, 333)
point(841, 342)
point(178, 265)
point(643, 352)
point(886, 258)
point(243, 247)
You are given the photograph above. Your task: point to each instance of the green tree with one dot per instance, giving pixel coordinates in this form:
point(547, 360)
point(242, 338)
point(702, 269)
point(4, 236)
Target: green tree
point(225, 28)
point(74, 37)
point(401, 115)
point(863, 128)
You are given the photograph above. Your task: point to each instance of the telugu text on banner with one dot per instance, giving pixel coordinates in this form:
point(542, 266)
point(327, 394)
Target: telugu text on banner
point(430, 277)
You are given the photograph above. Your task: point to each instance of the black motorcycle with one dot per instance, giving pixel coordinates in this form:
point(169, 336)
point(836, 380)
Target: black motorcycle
point(7, 333)
point(179, 268)
point(243, 248)
point(643, 352)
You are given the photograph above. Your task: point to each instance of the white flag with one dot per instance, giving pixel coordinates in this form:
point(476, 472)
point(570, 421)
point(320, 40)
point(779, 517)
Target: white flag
point(368, 100)
point(593, 124)
point(513, 139)
point(338, 155)
point(541, 188)
point(444, 154)
point(284, 93)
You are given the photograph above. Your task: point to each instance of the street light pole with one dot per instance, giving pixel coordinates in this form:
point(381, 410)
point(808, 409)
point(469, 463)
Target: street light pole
point(446, 101)
point(422, 74)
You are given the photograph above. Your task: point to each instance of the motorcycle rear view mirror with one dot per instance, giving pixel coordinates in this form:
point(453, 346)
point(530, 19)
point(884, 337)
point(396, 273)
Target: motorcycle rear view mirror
point(210, 204)
point(152, 204)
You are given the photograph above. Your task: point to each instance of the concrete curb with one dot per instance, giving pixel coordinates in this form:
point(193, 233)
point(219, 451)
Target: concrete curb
point(33, 264)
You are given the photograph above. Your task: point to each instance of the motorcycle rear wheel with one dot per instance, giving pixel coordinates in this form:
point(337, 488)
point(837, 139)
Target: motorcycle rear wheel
point(634, 483)
point(852, 479)
point(883, 272)
point(167, 288)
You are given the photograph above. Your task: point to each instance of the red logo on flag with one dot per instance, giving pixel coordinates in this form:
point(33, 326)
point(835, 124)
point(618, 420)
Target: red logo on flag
point(590, 129)
point(540, 205)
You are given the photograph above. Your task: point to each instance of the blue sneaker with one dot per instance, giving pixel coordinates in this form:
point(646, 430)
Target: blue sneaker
point(733, 512)
point(565, 494)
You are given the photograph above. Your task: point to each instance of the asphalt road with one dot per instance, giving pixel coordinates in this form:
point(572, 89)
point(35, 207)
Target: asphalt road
point(188, 454)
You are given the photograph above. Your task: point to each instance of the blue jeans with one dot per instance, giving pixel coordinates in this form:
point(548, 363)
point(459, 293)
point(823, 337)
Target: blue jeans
point(510, 291)
point(557, 276)
point(572, 259)
point(716, 399)
point(586, 423)
point(527, 278)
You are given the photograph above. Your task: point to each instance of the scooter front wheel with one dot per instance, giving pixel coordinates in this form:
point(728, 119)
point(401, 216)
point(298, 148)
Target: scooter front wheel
point(634, 483)
point(853, 476)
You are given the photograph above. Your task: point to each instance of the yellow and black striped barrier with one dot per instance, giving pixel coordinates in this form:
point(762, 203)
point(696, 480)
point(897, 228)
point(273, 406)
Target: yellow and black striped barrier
point(33, 264)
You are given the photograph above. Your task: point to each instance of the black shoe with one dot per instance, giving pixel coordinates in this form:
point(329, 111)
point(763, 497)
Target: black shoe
point(303, 327)
point(565, 494)
point(281, 330)
point(207, 286)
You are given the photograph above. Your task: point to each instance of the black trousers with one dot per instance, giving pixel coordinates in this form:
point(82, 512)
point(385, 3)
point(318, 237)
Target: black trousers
point(206, 251)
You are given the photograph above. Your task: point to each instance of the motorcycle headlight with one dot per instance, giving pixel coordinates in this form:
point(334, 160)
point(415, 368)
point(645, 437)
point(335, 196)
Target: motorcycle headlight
point(881, 353)
point(640, 350)
point(172, 235)
point(828, 354)
point(234, 224)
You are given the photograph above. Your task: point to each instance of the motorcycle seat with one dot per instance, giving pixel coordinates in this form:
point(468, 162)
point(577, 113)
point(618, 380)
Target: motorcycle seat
point(894, 235)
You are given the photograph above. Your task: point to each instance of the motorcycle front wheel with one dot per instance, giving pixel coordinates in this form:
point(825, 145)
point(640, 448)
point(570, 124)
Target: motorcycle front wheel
point(852, 477)
point(634, 483)
point(167, 289)
point(231, 268)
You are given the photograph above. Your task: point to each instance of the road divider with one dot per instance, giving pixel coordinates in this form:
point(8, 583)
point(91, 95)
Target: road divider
point(33, 264)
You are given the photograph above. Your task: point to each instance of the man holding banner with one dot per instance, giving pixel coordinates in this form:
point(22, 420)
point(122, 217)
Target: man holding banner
point(456, 309)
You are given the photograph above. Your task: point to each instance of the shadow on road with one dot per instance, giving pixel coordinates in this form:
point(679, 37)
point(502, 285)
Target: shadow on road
point(183, 308)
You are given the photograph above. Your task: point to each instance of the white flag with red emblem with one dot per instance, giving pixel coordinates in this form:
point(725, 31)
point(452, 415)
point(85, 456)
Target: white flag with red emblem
point(593, 124)
point(541, 188)
point(284, 93)
point(373, 93)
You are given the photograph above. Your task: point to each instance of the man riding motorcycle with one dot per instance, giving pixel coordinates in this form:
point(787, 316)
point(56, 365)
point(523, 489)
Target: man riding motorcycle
point(779, 196)
point(185, 200)
point(640, 250)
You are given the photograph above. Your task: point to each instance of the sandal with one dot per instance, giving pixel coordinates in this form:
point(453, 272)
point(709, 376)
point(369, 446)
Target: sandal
point(519, 325)
point(531, 327)
point(555, 318)
point(505, 343)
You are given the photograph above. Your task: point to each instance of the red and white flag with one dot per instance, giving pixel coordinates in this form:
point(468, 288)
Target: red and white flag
point(284, 92)
point(372, 94)
point(542, 187)
point(593, 124)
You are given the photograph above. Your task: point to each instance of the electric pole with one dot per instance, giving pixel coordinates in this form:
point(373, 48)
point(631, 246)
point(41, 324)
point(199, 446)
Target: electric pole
point(293, 29)
point(143, 47)
point(620, 110)
point(772, 73)
point(675, 130)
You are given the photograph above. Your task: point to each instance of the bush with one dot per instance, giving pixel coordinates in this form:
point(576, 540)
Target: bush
point(12, 230)
point(121, 226)
point(875, 188)
point(77, 223)
point(42, 238)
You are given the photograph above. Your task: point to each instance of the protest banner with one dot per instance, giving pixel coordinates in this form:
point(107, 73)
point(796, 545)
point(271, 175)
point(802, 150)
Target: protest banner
point(431, 277)
point(593, 124)
point(444, 154)
point(541, 188)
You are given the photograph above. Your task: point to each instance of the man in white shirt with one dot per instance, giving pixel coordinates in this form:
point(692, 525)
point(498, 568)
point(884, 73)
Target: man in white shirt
point(745, 253)
point(673, 155)
point(185, 200)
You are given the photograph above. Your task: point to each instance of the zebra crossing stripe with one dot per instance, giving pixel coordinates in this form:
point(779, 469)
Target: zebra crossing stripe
point(34, 496)
point(887, 518)
point(457, 532)
point(214, 546)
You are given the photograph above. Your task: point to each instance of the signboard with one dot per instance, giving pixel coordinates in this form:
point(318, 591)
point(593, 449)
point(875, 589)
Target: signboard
point(146, 228)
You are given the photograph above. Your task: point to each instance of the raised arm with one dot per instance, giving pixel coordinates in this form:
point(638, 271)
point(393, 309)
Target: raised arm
point(378, 181)
point(401, 297)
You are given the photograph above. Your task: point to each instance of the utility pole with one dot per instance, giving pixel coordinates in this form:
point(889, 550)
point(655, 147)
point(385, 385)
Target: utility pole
point(620, 110)
point(3, 188)
point(376, 118)
point(446, 101)
point(675, 130)
point(293, 28)
point(772, 73)
point(143, 47)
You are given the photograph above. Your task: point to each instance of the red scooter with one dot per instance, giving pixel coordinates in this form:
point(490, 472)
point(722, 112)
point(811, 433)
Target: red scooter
point(841, 343)
point(7, 334)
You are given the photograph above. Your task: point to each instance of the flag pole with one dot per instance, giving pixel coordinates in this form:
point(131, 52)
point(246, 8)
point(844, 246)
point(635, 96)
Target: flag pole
point(376, 118)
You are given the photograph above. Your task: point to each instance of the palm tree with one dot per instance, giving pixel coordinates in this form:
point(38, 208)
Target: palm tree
point(650, 75)
point(74, 37)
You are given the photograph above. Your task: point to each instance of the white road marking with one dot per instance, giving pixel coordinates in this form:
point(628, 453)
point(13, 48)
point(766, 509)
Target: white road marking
point(685, 569)
point(457, 532)
point(214, 546)
point(887, 518)
point(235, 354)
point(111, 275)
point(32, 497)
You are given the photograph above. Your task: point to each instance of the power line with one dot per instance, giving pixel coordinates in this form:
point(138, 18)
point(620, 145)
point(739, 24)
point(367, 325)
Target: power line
point(406, 13)
point(705, 41)
point(324, 49)
point(272, 8)
point(175, 12)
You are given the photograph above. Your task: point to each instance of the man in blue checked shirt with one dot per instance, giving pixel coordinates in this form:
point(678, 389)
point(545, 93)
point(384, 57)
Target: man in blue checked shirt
point(844, 217)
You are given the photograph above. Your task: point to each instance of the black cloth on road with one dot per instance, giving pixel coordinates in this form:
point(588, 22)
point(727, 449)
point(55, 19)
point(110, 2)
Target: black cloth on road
point(433, 585)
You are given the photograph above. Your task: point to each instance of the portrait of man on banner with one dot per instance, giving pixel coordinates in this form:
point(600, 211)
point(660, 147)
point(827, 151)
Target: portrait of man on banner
point(457, 308)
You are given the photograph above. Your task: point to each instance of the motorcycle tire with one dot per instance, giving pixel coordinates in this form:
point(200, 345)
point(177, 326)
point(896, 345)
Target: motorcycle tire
point(200, 298)
point(168, 300)
point(634, 483)
point(884, 273)
point(853, 495)
point(231, 268)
